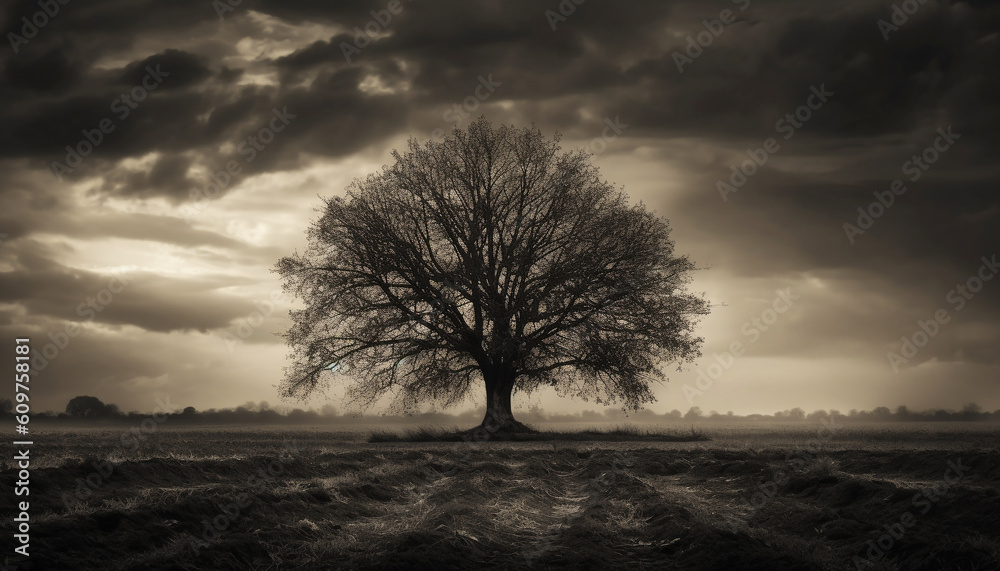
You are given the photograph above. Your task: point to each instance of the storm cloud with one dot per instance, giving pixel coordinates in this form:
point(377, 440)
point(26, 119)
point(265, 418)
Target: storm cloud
point(185, 144)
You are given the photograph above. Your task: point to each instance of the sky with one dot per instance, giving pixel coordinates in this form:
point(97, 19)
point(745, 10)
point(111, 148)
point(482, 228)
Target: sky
point(158, 158)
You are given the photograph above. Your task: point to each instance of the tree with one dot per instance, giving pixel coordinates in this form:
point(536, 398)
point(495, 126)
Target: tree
point(87, 407)
point(971, 410)
point(693, 413)
point(796, 414)
point(817, 415)
point(492, 257)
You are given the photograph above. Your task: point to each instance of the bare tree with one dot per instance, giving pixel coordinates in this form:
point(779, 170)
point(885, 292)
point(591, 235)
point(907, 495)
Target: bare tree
point(492, 257)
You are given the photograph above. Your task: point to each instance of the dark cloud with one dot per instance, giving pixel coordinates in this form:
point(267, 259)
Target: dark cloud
point(604, 60)
point(178, 68)
point(230, 77)
point(51, 72)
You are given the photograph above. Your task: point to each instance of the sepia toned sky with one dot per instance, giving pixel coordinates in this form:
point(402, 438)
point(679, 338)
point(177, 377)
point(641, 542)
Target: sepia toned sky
point(140, 268)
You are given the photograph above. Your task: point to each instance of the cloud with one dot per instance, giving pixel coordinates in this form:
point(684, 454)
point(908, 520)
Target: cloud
point(198, 275)
point(181, 68)
point(152, 302)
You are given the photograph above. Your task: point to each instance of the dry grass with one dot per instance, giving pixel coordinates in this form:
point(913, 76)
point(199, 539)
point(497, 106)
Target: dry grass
point(618, 433)
point(511, 505)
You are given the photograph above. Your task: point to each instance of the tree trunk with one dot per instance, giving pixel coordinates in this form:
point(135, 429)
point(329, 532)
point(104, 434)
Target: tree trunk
point(499, 387)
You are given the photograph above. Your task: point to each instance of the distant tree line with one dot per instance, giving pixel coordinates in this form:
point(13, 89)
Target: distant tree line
point(89, 408)
point(969, 412)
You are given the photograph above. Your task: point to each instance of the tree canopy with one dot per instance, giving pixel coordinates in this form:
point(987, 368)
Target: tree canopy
point(90, 407)
point(491, 257)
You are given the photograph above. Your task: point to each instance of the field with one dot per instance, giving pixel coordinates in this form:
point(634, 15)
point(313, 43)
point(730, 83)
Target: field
point(764, 496)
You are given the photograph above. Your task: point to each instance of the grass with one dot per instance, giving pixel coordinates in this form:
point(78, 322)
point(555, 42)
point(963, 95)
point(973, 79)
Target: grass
point(617, 434)
point(347, 504)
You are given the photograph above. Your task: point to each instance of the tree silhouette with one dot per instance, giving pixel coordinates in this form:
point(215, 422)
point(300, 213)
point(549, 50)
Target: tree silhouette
point(693, 413)
point(88, 407)
point(796, 414)
point(492, 257)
